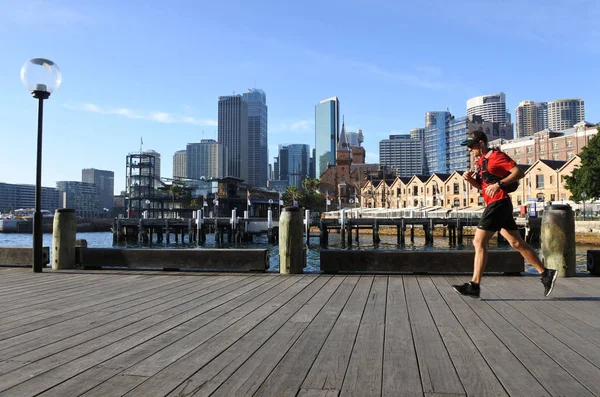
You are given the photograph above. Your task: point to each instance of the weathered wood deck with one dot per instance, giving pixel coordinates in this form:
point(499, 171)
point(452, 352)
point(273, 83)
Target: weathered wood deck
point(194, 334)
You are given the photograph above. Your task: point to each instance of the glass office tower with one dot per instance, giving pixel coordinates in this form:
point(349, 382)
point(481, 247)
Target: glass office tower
point(327, 121)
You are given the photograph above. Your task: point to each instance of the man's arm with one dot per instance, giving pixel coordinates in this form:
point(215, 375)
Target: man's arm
point(468, 176)
point(515, 175)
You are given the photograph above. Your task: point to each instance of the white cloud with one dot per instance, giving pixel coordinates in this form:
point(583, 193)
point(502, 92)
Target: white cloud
point(159, 117)
point(39, 12)
point(294, 126)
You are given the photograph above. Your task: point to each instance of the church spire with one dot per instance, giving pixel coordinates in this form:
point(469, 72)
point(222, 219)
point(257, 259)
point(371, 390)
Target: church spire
point(343, 142)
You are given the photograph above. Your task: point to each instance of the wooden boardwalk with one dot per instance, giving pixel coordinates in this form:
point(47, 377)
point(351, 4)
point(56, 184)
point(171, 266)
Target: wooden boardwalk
point(75, 333)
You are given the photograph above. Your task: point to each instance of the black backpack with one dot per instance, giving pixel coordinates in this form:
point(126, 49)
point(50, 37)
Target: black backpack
point(489, 178)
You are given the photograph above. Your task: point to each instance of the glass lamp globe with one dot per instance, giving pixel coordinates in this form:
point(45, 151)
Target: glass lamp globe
point(40, 74)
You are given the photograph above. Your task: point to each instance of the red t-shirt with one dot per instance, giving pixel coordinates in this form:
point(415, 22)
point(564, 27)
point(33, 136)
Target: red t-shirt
point(499, 163)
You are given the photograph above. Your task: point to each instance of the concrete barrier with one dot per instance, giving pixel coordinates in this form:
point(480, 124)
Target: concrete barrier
point(420, 262)
point(21, 256)
point(256, 260)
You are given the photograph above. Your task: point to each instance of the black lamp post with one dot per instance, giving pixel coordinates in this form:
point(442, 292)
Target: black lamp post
point(41, 77)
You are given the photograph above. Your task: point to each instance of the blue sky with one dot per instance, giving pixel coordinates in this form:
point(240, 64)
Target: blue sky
point(155, 69)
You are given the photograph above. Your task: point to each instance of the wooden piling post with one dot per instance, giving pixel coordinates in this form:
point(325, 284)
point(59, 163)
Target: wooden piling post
point(167, 231)
point(349, 235)
point(324, 238)
point(376, 238)
point(342, 229)
point(412, 233)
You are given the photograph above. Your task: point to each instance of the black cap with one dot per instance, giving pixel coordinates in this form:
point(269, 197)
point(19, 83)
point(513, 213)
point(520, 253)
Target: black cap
point(474, 137)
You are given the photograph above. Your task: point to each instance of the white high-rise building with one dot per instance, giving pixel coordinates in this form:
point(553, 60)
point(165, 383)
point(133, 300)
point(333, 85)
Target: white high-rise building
point(179, 164)
point(205, 160)
point(491, 107)
point(565, 113)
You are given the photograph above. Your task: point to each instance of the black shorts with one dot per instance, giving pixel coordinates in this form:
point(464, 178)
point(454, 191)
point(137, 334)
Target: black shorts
point(498, 215)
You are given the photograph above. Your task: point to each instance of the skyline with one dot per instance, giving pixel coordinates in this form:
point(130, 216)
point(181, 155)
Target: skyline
point(131, 72)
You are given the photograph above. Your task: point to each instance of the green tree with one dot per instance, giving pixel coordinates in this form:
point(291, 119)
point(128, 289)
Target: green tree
point(310, 184)
point(585, 180)
point(309, 199)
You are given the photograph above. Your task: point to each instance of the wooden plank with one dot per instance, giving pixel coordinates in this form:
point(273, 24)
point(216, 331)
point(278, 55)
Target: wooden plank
point(476, 376)
point(249, 376)
point(330, 366)
point(92, 352)
point(399, 261)
point(115, 386)
point(232, 347)
point(364, 373)
point(70, 333)
point(318, 393)
point(400, 368)
point(578, 364)
point(288, 375)
point(551, 375)
point(513, 375)
point(207, 259)
point(92, 309)
point(167, 347)
point(438, 374)
point(79, 384)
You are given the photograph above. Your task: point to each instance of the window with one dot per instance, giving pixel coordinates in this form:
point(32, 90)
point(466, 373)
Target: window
point(480, 201)
point(427, 190)
point(328, 178)
point(529, 149)
point(529, 161)
point(542, 147)
point(471, 202)
point(569, 156)
point(555, 145)
point(517, 151)
point(569, 143)
point(555, 157)
point(447, 188)
point(539, 181)
point(552, 197)
point(551, 179)
point(519, 200)
point(456, 187)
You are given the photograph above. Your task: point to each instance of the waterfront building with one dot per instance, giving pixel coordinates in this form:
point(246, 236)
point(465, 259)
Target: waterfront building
point(233, 135)
point(81, 196)
point(435, 141)
point(16, 196)
point(105, 184)
point(327, 121)
point(257, 147)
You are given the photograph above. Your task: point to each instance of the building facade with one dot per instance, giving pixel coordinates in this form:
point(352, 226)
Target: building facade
point(105, 184)
point(327, 127)
point(530, 117)
point(565, 113)
point(180, 164)
point(297, 167)
point(205, 159)
point(549, 145)
point(491, 107)
point(81, 196)
point(434, 141)
point(258, 154)
point(233, 135)
point(402, 154)
point(17, 196)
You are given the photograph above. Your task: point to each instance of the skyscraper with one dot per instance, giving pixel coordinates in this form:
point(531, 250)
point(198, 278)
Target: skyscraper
point(233, 135)
point(491, 107)
point(435, 142)
point(402, 154)
point(297, 163)
point(327, 121)
point(257, 137)
point(565, 113)
point(105, 184)
point(180, 164)
point(204, 159)
point(531, 117)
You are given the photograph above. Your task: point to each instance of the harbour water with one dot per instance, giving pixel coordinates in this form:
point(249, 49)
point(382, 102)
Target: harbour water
point(105, 240)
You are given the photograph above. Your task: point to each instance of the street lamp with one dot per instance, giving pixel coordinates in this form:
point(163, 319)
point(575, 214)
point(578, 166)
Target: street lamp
point(41, 77)
point(147, 209)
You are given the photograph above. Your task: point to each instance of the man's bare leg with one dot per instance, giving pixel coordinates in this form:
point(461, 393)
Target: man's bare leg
point(514, 239)
point(482, 237)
